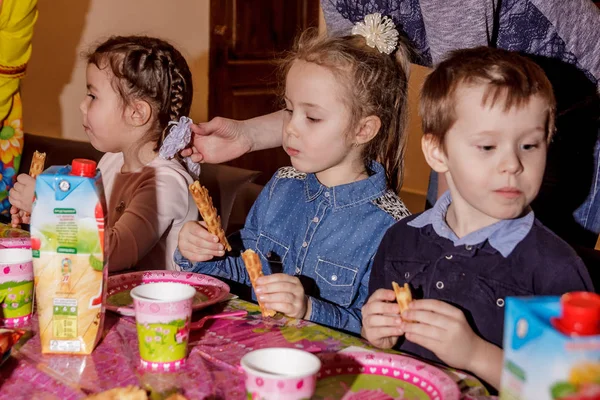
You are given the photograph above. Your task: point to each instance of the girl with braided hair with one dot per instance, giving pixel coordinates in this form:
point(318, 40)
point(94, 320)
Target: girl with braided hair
point(139, 94)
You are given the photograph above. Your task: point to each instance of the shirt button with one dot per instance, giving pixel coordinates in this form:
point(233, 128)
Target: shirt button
point(297, 270)
point(449, 257)
point(334, 277)
point(500, 302)
point(468, 247)
point(326, 194)
point(304, 244)
point(439, 285)
point(269, 254)
point(316, 219)
point(407, 275)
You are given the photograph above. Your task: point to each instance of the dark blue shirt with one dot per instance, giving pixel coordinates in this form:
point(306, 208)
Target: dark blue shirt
point(476, 278)
point(327, 236)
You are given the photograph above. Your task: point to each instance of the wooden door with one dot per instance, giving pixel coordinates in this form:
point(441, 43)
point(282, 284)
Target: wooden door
point(247, 36)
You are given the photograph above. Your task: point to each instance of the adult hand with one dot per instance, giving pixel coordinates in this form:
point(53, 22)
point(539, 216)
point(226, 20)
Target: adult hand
point(218, 140)
point(283, 293)
point(196, 243)
point(381, 319)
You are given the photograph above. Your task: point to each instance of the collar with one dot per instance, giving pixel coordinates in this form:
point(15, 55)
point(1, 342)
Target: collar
point(503, 235)
point(350, 194)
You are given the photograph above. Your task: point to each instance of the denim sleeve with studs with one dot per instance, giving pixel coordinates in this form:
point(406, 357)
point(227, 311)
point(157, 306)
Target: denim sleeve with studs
point(325, 236)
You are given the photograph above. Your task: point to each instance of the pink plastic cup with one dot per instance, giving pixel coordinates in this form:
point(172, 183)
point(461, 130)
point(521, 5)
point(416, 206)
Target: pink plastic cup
point(163, 311)
point(16, 287)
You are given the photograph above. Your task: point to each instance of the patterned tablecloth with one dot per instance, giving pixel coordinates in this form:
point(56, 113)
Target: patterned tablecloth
point(211, 371)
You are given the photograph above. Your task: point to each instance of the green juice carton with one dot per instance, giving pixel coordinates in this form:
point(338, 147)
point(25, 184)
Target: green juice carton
point(552, 348)
point(67, 240)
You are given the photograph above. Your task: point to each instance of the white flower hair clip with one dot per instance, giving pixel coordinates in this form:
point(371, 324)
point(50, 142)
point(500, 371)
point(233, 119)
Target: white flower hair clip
point(177, 139)
point(379, 31)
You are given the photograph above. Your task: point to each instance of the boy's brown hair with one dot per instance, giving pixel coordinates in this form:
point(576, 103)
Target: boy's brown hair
point(509, 77)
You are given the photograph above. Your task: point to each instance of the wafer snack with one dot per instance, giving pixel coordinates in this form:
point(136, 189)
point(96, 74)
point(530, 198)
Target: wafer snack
point(37, 164)
point(209, 212)
point(403, 296)
point(254, 267)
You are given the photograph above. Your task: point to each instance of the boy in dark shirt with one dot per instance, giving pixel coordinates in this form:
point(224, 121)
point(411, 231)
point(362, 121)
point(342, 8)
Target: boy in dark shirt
point(488, 117)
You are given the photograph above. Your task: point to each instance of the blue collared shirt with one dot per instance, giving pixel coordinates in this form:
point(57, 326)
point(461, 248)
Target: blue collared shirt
point(327, 236)
point(503, 236)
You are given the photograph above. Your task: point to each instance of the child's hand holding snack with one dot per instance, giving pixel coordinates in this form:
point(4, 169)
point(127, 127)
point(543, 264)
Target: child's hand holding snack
point(21, 199)
point(196, 243)
point(283, 293)
point(381, 319)
point(441, 328)
point(22, 193)
point(444, 330)
point(254, 267)
point(201, 241)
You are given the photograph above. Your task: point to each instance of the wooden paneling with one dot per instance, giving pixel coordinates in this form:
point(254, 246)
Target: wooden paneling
point(247, 37)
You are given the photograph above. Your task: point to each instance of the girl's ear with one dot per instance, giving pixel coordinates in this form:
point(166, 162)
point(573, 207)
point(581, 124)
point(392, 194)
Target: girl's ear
point(139, 113)
point(368, 128)
point(434, 153)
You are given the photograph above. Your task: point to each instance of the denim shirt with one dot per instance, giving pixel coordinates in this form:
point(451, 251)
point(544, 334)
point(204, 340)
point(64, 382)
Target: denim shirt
point(327, 236)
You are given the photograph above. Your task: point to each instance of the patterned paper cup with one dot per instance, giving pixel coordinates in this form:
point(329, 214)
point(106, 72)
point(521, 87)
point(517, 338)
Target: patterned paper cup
point(280, 374)
point(162, 312)
point(16, 287)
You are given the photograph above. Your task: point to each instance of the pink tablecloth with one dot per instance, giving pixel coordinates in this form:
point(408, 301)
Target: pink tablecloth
point(211, 372)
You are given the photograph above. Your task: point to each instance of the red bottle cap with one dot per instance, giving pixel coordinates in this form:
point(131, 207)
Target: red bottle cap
point(580, 314)
point(83, 167)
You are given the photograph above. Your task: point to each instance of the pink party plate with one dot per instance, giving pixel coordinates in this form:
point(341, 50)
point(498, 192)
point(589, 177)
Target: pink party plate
point(209, 290)
point(380, 376)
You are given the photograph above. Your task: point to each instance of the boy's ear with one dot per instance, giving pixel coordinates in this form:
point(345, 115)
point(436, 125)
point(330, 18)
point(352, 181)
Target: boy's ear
point(368, 128)
point(434, 153)
point(139, 113)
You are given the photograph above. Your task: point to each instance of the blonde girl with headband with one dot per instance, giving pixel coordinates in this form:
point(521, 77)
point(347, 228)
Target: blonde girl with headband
point(317, 224)
point(139, 94)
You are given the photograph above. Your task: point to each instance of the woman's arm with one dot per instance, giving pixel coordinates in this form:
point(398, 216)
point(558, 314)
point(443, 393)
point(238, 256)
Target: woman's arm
point(222, 139)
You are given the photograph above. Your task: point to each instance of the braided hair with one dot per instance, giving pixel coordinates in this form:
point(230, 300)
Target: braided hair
point(151, 70)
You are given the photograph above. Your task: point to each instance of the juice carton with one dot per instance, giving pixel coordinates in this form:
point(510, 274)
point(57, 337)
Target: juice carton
point(67, 239)
point(552, 348)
